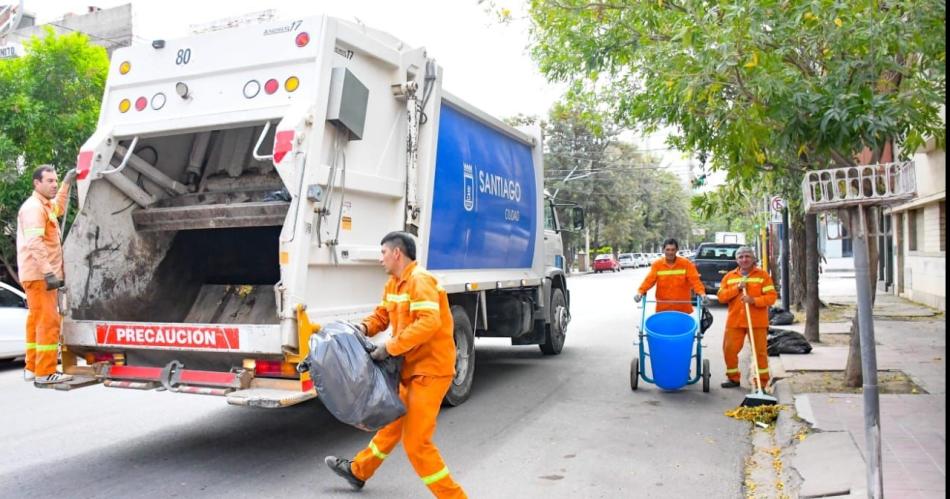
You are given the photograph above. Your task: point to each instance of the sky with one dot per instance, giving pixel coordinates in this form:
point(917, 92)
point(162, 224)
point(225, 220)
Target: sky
point(484, 62)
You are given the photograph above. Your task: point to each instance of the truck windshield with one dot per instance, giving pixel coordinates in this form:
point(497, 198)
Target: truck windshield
point(718, 253)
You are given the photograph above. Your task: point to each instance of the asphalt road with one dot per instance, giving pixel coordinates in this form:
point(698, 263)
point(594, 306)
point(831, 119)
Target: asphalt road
point(566, 426)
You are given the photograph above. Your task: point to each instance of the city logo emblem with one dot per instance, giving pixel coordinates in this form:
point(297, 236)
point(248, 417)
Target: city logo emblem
point(468, 186)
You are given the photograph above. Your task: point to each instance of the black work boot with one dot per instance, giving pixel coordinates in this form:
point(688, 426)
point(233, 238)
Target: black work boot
point(341, 467)
point(730, 384)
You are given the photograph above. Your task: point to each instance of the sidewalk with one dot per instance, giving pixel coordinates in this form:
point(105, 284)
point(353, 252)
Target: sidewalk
point(830, 460)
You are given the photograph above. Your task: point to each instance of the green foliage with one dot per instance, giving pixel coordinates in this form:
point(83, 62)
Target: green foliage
point(631, 205)
point(760, 86)
point(49, 104)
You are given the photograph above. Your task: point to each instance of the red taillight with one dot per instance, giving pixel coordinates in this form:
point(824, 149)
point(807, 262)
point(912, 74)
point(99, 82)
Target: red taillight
point(283, 144)
point(272, 368)
point(302, 39)
point(271, 86)
point(112, 358)
point(83, 164)
point(140, 103)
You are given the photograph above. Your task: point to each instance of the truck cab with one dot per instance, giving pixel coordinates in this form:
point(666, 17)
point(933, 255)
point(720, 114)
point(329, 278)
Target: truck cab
point(713, 261)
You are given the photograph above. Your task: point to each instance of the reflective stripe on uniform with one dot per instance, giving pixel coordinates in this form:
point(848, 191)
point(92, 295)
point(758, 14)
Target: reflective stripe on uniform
point(729, 371)
point(671, 272)
point(767, 289)
point(47, 348)
point(34, 232)
point(376, 452)
point(397, 298)
point(435, 477)
point(31, 346)
point(763, 370)
point(423, 305)
point(746, 279)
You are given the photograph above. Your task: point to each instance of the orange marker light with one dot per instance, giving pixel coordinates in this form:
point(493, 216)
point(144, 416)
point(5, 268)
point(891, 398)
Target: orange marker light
point(124, 105)
point(291, 84)
point(125, 67)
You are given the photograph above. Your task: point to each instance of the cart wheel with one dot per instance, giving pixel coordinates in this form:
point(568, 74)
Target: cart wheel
point(634, 373)
point(706, 375)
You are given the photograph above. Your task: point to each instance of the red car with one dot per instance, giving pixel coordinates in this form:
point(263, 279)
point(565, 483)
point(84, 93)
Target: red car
point(605, 263)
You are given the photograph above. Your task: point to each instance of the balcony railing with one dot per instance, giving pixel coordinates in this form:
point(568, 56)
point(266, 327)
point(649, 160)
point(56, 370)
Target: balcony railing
point(880, 184)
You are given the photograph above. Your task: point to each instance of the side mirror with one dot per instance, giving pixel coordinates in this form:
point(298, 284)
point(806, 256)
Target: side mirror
point(577, 216)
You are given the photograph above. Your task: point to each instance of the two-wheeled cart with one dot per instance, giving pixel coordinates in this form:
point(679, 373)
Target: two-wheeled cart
point(675, 338)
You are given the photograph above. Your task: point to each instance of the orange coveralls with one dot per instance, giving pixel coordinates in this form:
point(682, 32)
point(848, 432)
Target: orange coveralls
point(39, 252)
point(673, 283)
point(760, 287)
point(417, 308)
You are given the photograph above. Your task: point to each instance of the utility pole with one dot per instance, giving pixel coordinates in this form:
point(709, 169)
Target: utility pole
point(888, 183)
point(786, 294)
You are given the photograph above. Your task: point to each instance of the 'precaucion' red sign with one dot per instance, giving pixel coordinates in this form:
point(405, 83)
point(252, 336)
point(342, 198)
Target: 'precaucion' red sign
point(168, 335)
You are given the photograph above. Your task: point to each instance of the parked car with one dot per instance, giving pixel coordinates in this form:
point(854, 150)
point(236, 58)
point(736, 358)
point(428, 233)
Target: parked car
point(627, 261)
point(714, 260)
point(605, 263)
point(12, 322)
point(642, 259)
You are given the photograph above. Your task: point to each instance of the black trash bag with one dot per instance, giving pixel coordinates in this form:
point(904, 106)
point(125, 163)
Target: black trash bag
point(354, 388)
point(279, 195)
point(706, 321)
point(779, 317)
point(784, 341)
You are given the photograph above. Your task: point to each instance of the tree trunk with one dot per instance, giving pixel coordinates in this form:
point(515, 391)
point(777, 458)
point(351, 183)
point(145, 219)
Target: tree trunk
point(797, 276)
point(811, 278)
point(853, 377)
point(11, 271)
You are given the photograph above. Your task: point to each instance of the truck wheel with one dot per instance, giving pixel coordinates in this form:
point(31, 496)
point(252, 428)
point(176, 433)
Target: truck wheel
point(557, 331)
point(464, 336)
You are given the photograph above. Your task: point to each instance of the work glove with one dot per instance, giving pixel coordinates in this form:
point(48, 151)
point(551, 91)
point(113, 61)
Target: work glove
point(637, 297)
point(52, 282)
point(70, 177)
point(705, 300)
point(379, 353)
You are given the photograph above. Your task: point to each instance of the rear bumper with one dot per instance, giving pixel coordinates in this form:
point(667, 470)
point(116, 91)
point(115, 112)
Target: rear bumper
point(221, 338)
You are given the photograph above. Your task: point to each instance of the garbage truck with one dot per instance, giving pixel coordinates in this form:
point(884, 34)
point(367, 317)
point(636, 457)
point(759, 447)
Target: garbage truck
point(236, 189)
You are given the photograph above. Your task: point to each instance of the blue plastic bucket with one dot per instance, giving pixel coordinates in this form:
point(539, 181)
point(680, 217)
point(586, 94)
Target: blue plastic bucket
point(670, 337)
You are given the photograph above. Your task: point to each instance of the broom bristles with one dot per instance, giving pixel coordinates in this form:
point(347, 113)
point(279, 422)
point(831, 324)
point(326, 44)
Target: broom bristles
point(757, 399)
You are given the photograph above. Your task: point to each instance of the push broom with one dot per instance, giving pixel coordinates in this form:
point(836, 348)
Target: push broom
point(758, 397)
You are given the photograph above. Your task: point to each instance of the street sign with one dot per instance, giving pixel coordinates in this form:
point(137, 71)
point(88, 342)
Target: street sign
point(777, 203)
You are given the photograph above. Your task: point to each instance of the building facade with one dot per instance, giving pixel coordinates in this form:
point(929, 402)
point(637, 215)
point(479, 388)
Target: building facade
point(919, 254)
point(109, 28)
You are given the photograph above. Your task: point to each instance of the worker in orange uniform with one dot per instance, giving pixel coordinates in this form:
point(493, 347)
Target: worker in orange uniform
point(417, 308)
point(751, 285)
point(40, 269)
point(674, 277)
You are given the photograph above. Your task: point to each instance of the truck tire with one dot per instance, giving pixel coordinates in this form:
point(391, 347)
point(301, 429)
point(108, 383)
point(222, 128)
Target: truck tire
point(556, 332)
point(464, 336)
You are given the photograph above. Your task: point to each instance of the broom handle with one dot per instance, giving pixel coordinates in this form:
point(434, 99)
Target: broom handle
point(755, 358)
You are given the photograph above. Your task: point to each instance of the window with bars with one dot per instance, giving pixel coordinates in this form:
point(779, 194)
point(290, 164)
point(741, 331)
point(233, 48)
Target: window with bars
point(915, 226)
point(942, 206)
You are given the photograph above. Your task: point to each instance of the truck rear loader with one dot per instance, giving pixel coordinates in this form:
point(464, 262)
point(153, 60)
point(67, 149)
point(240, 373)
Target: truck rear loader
point(235, 192)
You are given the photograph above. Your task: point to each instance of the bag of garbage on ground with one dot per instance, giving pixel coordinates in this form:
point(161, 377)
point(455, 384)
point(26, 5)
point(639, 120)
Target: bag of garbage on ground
point(784, 341)
point(354, 388)
point(779, 317)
